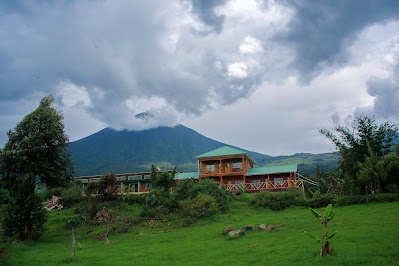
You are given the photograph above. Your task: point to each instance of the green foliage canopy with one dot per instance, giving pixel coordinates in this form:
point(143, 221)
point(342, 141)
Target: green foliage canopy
point(162, 180)
point(355, 144)
point(37, 147)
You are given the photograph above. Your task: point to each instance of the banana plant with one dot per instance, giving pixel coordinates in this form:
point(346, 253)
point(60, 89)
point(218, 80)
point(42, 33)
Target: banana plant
point(326, 216)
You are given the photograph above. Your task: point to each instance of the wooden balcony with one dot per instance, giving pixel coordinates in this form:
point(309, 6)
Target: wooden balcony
point(271, 185)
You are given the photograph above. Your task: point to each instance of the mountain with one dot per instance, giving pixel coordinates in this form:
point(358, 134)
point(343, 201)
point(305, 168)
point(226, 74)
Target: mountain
point(112, 151)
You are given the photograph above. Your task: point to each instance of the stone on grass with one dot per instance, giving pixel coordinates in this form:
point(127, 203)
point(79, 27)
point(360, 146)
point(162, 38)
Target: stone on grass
point(247, 228)
point(236, 234)
point(262, 227)
point(271, 228)
point(228, 229)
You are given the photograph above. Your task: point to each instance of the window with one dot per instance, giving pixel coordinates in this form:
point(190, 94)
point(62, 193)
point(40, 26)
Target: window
point(135, 177)
point(210, 168)
point(278, 181)
point(237, 166)
point(148, 186)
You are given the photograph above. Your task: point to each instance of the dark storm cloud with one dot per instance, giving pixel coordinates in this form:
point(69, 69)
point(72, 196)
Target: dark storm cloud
point(205, 10)
point(321, 31)
point(386, 93)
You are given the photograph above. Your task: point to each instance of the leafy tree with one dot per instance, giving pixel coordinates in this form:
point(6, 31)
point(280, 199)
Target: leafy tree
point(36, 152)
point(24, 216)
point(107, 185)
point(37, 147)
point(353, 144)
point(374, 170)
point(162, 180)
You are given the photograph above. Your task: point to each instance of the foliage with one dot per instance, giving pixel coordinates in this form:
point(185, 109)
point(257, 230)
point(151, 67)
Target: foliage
point(373, 171)
point(36, 152)
point(107, 186)
point(199, 207)
point(326, 216)
point(277, 200)
point(190, 189)
point(24, 215)
point(4, 196)
point(37, 147)
point(156, 203)
point(135, 199)
point(162, 180)
point(78, 218)
point(319, 200)
point(73, 193)
point(354, 144)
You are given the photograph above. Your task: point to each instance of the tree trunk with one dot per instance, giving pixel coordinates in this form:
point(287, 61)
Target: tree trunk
point(73, 243)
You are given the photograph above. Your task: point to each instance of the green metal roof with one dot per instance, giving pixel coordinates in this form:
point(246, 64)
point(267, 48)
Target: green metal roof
point(224, 151)
point(180, 176)
point(273, 170)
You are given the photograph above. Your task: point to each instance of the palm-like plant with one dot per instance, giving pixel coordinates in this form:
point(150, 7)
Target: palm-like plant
point(326, 216)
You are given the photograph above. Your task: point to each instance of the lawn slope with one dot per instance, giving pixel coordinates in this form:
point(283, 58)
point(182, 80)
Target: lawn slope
point(366, 235)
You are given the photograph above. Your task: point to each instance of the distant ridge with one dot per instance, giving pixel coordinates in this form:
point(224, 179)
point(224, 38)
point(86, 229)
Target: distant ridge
point(112, 151)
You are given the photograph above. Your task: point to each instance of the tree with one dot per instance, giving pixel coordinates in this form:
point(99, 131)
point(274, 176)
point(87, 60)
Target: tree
point(36, 151)
point(353, 144)
point(38, 147)
point(78, 218)
point(373, 171)
point(162, 180)
point(24, 215)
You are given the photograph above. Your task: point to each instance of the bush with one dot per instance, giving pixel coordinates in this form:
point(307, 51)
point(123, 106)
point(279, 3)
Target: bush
point(106, 186)
point(24, 217)
point(135, 199)
point(199, 207)
point(278, 200)
point(156, 203)
point(190, 189)
point(73, 194)
point(5, 197)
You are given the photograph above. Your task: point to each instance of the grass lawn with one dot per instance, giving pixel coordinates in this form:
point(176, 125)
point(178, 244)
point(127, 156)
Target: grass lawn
point(366, 235)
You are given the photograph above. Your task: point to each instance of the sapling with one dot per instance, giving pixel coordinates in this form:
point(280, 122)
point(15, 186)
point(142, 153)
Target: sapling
point(326, 216)
point(74, 221)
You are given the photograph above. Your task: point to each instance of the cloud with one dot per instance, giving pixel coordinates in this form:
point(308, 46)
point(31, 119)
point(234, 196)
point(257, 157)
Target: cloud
point(106, 61)
point(206, 12)
point(386, 95)
point(320, 32)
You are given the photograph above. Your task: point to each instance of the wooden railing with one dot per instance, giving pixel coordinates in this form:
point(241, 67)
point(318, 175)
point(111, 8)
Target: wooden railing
point(264, 185)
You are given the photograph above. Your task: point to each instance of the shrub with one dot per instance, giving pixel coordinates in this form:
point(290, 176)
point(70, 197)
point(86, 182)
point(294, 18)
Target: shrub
point(135, 199)
point(319, 201)
point(199, 207)
point(277, 200)
point(73, 193)
point(190, 189)
point(156, 203)
point(106, 186)
point(4, 196)
point(24, 217)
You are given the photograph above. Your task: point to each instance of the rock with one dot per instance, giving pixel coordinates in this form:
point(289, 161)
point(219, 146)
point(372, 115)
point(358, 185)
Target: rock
point(247, 228)
point(271, 228)
point(54, 204)
point(228, 229)
point(236, 234)
point(262, 227)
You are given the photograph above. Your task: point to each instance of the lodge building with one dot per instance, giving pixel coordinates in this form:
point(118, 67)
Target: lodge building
point(232, 168)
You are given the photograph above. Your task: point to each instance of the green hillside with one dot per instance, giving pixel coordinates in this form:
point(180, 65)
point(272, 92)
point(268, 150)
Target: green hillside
point(112, 151)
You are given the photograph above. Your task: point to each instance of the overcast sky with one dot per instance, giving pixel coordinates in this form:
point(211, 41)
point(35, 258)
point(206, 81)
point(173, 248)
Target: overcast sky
point(261, 75)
